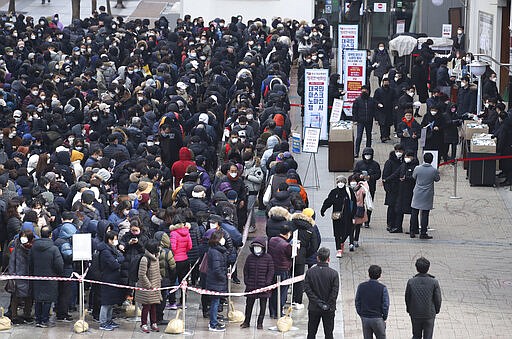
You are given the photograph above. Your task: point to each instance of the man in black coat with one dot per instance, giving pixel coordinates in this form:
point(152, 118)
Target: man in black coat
point(369, 170)
point(391, 180)
point(423, 300)
point(171, 141)
point(45, 261)
point(322, 285)
point(384, 98)
point(363, 111)
point(466, 97)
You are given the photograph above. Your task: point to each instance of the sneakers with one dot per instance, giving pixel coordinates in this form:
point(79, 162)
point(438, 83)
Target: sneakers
point(298, 306)
point(43, 325)
point(145, 328)
point(172, 306)
point(154, 328)
point(339, 254)
point(244, 325)
point(356, 244)
point(351, 247)
point(217, 328)
point(113, 324)
point(425, 236)
point(66, 318)
point(106, 327)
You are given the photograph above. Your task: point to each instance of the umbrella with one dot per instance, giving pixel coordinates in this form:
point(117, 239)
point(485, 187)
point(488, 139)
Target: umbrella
point(403, 44)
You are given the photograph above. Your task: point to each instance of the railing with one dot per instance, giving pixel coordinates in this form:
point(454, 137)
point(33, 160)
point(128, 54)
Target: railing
point(486, 57)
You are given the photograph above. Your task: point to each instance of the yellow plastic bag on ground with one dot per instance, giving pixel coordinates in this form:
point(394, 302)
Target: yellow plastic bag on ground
point(176, 325)
point(234, 315)
point(81, 326)
point(285, 323)
point(5, 323)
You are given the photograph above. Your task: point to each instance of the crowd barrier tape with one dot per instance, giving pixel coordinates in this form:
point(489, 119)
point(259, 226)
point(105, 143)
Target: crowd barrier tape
point(494, 157)
point(75, 277)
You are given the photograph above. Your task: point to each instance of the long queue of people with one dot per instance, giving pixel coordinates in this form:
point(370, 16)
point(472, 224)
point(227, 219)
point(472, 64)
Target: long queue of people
point(158, 142)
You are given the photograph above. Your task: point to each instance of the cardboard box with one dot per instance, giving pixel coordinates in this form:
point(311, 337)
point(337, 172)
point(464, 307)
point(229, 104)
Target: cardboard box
point(338, 134)
point(482, 143)
point(471, 127)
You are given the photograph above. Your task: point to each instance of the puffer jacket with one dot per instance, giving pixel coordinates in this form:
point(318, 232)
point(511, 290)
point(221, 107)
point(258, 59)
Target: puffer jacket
point(216, 278)
point(179, 168)
point(281, 198)
point(258, 269)
point(181, 243)
point(165, 254)
point(423, 296)
point(277, 217)
point(196, 234)
point(149, 277)
point(308, 239)
point(19, 265)
point(253, 175)
point(281, 251)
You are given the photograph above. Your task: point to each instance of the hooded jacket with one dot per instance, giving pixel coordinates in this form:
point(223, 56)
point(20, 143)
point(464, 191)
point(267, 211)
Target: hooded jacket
point(165, 255)
point(258, 269)
point(179, 168)
point(45, 261)
point(371, 166)
point(181, 243)
point(307, 237)
point(277, 217)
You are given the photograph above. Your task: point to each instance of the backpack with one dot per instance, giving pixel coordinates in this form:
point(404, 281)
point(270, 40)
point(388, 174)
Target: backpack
point(133, 272)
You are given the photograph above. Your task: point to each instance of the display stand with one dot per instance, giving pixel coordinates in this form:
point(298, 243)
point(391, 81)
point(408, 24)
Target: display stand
point(311, 140)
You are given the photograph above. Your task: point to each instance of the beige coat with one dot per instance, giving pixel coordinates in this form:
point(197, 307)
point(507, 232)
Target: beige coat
point(149, 278)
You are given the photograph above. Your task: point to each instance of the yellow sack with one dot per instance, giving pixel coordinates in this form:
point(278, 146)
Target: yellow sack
point(81, 326)
point(5, 323)
point(284, 324)
point(176, 325)
point(234, 315)
point(130, 311)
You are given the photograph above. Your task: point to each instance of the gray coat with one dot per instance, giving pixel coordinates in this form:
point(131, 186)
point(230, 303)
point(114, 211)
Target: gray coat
point(423, 296)
point(149, 277)
point(423, 194)
point(19, 265)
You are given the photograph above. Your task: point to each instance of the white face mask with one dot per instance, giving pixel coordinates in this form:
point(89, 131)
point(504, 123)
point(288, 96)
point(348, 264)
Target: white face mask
point(213, 225)
point(433, 112)
point(125, 212)
point(222, 242)
point(340, 184)
point(250, 116)
point(353, 184)
point(381, 48)
point(407, 160)
point(234, 140)
point(398, 154)
point(150, 143)
point(94, 118)
point(115, 242)
point(367, 156)
point(35, 92)
point(233, 175)
point(459, 31)
point(411, 94)
point(258, 250)
point(23, 240)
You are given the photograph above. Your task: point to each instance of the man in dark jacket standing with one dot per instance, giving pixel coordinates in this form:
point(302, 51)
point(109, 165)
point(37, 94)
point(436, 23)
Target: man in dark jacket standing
point(363, 111)
point(384, 98)
point(322, 285)
point(372, 305)
point(466, 97)
point(423, 300)
point(45, 261)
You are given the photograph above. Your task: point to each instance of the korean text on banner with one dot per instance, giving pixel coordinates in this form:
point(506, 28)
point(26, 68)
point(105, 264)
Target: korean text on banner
point(347, 39)
point(315, 100)
point(82, 247)
point(354, 77)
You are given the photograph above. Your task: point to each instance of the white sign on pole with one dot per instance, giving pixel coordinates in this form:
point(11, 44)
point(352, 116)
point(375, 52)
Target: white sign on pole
point(82, 247)
point(446, 31)
point(316, 100)
point(435, 154)
point(311, 139)
point(400, 26)
point(337, 107)
point(354, 77)
point(295, 243)
point(380, 7)
point(347, 39)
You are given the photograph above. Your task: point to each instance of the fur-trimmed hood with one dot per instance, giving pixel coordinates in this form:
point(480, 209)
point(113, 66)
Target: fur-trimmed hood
point(302, 217)
point(278, 211)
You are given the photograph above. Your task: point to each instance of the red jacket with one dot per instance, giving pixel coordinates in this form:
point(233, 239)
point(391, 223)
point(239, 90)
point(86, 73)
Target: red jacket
point(179, 168)
point(181, 243)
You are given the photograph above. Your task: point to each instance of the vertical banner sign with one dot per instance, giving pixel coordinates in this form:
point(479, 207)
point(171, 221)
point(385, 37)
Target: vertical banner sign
point(347, 39)
point(315, 100)
point(354, 77)
point(446, 31)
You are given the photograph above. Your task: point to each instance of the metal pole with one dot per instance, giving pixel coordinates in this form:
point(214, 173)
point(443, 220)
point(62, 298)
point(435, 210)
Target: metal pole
point(230, 270)
point(293, 275)
point(184, 307)
point(479, 96)
point(454, 196)
point(81, 300)
point(278, 306)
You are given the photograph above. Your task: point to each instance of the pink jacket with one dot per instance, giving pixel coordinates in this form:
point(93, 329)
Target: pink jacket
point(360, 194)
point(181, 243)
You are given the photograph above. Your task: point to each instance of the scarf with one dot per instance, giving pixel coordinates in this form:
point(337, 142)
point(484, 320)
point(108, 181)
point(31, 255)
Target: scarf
point(408, 123)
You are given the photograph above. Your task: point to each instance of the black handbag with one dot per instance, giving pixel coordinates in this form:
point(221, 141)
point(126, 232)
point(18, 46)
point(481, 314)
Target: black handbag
point(360, 211)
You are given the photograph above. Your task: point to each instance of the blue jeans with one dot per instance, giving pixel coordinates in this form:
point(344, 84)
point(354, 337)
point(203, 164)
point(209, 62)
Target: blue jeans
point(42, 311)
point(272, 306)
point(106, 313)
point(214, 307)
point(366, 126)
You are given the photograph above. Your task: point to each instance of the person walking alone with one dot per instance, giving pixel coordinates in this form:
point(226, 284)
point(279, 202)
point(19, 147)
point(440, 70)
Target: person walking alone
point(363, 111)
point(372, 305)
point(423, 300)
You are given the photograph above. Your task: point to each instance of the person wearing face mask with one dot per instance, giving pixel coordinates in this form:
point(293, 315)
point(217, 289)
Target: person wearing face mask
point(449, 123)
point(343, 202)
point(381, 62)
point(466, 97)
point(233, 145)
point(363, 111)
point(110, 263)
point(391, 180)
point(459, 40)
point(19, 265)
point(370, 172)
point(258, 273)
point(433, 123)
point(216, 277)
point(405, 189)
point(490, 88)
point(384, 97)
point(504, 146)
point(409, 131)
point(253, 177)
point(179, 168)
point(360, 188)
point(243, 125)
point(132, 244)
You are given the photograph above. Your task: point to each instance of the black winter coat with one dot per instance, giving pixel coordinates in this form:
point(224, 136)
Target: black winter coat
point(275, 222)
point(408, 142)
point(322, 285)
point(281, 198)
point(466, 100)
point(386, 97)
point(406, 187)
point(391, 178)
point(307, 237)
point(449, 124)
point(217, 279)
point(198, 205)
point(196, 234)
point(19, 262)
point(341, 199)
point(434, 139)
point(363, 109)
point(110, 267)
point(372, 167)
point(258, 271)
point(45, 261)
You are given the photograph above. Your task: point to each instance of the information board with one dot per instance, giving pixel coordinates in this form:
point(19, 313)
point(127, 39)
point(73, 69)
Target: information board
point(347, 39)
point(311, 139)
point(315, 100)
point(354, 77)
point(82, 247)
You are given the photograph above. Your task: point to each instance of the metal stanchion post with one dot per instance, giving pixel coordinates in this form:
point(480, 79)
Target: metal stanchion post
point(454, 196)
point(278, 306)
point(82, 291)
point(184, 305)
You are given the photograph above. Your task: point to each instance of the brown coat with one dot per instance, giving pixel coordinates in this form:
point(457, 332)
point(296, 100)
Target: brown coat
point(149, 278)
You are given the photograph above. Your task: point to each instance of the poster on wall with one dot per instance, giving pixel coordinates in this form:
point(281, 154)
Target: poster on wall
point(315, 100)
point(354, 77)
point(347, 39)
point(485, 31)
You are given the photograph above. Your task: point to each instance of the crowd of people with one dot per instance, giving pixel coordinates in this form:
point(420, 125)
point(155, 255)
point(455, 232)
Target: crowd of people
point(160, 143)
